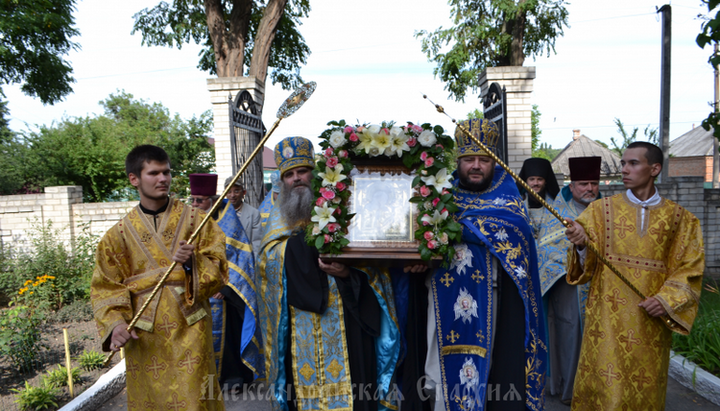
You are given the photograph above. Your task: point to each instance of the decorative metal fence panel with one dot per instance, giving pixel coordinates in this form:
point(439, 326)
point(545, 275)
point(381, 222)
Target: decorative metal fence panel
point(246, 131)
point(495, 110)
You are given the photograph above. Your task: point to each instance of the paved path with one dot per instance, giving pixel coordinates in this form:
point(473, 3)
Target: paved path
point(678, 398)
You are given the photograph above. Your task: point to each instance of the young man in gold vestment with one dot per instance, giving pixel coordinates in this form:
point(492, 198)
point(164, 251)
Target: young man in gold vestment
point(658, 246)
point(169, 354)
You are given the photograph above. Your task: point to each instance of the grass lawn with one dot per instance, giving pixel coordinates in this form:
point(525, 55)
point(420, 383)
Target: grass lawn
point(702, 346)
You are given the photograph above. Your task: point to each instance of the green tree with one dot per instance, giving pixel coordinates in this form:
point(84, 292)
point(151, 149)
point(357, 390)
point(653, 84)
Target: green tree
point(90, 151)
point(711, 33)
point(544, 150)
point(535, 127)
point(651, 135)
point(477, 113)
point(34, 37)
point(491, 33)
point(241, 37)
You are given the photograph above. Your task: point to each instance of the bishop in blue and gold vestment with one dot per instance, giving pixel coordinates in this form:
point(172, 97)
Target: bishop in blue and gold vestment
point(486, 341)
point(330, 332)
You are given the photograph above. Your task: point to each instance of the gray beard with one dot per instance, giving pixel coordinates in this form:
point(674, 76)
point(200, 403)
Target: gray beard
point(295, 205)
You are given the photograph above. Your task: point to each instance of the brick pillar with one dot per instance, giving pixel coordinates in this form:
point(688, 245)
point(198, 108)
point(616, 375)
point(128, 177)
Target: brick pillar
point(518, 83)
point(221, 90)
point(58, 207)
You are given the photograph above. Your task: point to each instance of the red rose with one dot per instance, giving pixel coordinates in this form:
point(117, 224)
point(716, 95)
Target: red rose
point(425, 191)
point(348, 129)
point(327, 238)
point(328, 194)
point(432, 244)
point(428, 235)
point(411, 142)
point(353, 137)
point(332, 227)
point(436, 201)
point(332, 162)
point(423, 156)
point(429, 162)
point(320, 201)
point(340, 186)
point(343, 153)
point(322, 190)
point(329, 151)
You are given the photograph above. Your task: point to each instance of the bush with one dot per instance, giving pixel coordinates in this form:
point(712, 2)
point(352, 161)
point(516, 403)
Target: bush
point(36, 398)
point(91, 360)
point(58, 377)
point(77, 311)
point(20, 338)
point(51, 276)
point(702, 346)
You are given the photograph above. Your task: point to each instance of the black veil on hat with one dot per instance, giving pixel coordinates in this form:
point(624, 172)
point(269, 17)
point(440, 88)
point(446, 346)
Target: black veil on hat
point(539, 167)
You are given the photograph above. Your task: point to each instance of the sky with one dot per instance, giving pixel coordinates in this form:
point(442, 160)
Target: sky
point(370, 68)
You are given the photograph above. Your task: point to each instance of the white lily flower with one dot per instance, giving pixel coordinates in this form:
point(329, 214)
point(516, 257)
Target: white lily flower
point(398, 143)
point(436, 218)
point(366, 141)
point(381, 141)
point(439, 181)
point(323, 216)
point(332, 176)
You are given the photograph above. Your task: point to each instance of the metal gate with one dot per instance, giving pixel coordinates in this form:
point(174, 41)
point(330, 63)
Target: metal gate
point(495, 110)
point(246, 131)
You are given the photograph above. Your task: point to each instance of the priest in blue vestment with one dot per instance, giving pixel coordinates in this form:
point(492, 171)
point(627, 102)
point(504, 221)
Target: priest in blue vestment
point(486, 338)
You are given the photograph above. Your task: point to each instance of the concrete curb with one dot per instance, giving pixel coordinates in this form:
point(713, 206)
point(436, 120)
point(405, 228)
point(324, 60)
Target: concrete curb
point(695, 378)
point(106, 387)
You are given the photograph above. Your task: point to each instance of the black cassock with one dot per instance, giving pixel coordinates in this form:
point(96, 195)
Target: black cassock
point(307, 289)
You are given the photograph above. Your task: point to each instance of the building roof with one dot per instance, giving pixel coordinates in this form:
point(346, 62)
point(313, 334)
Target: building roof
point(269, 158)
point(696, 142)
point(583, 146)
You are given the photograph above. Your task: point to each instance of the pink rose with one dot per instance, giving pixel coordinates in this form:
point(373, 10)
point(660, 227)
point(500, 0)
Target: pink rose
point(423, 155)
point(429, 162)
point(445, 191)
point(440, 146)
point(444, 238)
point(332, 162)
point(425, 222)
point(432, 244)
point(320, 201)
point(327, 238)
point(417, 128)
point(322, 190)
point(348, 129)
point(328, 152)
point(411, 142)
point(340, 186)
point(353, 137)
point(343, 153)
point(337, 211)
point(425, 191)
point(428, 235)
point(328, 194)
point(436, 201)
point(332, 227)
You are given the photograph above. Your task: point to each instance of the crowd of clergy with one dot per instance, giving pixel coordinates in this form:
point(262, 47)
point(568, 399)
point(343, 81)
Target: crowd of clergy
point(527, 307)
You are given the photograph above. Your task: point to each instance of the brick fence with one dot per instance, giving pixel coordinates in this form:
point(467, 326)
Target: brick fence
point(63, 205)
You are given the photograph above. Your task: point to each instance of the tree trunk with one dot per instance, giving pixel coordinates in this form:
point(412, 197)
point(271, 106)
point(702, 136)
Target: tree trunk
point(264, 38)
point(229, 43)
point(515, 27)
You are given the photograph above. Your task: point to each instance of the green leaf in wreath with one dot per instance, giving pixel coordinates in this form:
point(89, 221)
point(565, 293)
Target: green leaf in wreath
point(319, 241)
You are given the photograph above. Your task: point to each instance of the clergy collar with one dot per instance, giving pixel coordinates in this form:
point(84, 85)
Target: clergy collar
point(653, 200)
point(158, 211)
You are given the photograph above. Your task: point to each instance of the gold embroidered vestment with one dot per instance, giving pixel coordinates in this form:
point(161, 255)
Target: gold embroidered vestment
point(172, 363)
point(625, 353)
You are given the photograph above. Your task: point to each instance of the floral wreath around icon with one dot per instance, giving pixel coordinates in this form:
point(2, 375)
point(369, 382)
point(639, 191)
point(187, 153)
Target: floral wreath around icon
point(424, 149)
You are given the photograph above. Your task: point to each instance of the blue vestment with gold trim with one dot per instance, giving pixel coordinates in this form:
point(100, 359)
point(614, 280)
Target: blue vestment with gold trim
point(553, 247)
point(241, 265)
point(495, 226)
point(265, 207)
point(318, 345)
